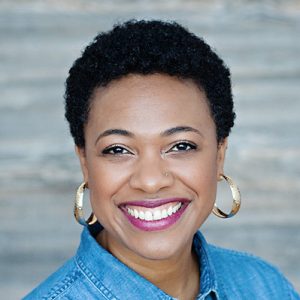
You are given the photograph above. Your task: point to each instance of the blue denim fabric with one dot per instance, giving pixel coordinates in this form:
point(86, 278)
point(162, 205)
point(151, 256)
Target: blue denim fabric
point(93, 273)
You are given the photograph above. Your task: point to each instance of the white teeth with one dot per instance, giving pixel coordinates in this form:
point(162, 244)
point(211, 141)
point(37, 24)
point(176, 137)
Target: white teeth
point(157, 215)
point(178, 206)
point(141, 215)
point(164, 214)
point(150, 215)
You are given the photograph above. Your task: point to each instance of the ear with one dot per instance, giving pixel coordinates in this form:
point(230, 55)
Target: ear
point(80, 152)
point(222, 147)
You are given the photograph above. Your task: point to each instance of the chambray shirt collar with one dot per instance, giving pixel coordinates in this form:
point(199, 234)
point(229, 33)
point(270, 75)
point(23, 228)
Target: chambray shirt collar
point(208, 278)
point(117, 281)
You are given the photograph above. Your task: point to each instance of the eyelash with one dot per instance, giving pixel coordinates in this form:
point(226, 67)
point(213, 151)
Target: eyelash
point(189, 145)
point(106, 151)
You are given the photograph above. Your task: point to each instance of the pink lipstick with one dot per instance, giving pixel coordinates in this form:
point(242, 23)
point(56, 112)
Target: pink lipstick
point(154, 215)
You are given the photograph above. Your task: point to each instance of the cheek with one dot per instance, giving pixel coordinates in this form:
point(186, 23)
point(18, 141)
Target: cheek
point(200, 175)
point(104, 182)
point(201, 178)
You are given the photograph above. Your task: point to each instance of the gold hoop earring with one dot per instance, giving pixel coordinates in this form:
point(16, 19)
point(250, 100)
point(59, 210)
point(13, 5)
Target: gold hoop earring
point(236, 195)
point(78, 207)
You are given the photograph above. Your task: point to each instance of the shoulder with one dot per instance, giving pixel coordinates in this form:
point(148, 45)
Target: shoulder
point(230, 258)
point(62, 284)
point(247, 273)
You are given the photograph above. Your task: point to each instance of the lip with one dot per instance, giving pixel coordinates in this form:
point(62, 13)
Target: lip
point(155, 225)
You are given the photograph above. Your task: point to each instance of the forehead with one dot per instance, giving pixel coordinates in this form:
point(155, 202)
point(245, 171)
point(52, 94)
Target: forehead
point(148, 102)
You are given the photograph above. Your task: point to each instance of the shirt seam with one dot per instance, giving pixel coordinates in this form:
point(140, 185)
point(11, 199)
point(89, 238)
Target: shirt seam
point(62, 286)
point(105, 292)
point(218, 286)
point(214, 287)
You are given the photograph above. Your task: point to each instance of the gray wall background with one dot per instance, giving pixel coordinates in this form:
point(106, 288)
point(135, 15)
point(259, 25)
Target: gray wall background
point(39, 172)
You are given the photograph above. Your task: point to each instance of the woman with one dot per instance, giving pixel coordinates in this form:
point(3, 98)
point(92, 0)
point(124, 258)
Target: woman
point(150, 109)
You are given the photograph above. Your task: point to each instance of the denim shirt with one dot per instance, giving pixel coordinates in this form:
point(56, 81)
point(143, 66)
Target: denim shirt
point(93, 273)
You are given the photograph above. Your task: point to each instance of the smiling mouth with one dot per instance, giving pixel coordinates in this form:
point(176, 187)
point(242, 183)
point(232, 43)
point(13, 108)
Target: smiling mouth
point(154, 215)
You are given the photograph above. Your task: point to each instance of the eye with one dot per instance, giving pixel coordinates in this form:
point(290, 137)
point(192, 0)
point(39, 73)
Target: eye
point(183, 146)
point(115, 150)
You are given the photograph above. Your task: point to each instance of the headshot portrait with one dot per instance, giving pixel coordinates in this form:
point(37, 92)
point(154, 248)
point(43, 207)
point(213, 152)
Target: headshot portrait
point(162, 153)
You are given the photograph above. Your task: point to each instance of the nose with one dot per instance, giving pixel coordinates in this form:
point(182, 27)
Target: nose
point(151, 175)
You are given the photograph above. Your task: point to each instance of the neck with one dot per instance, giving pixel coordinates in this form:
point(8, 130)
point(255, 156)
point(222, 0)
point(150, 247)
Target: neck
point(177, 276)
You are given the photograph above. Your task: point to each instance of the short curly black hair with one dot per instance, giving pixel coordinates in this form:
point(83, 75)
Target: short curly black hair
point(148, 47)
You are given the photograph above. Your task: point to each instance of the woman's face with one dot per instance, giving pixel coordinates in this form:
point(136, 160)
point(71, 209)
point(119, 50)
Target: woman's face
point(151, 152)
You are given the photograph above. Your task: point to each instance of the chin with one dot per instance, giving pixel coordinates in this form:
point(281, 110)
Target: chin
point(156, 252)
point(160, 247)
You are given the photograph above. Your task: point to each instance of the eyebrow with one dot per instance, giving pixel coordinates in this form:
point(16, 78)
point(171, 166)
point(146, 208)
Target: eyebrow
point(115, 131)
point(168, 132)
point(178, 129)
